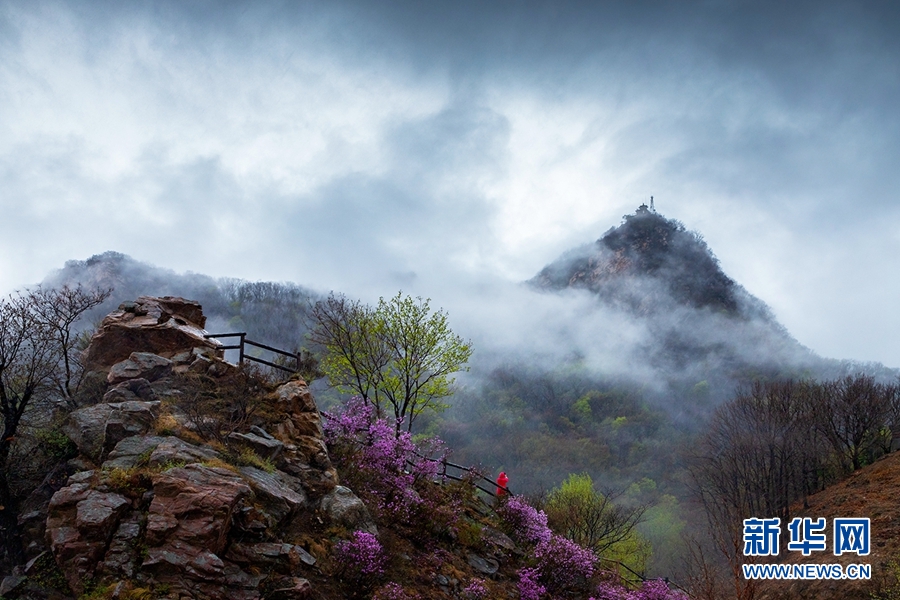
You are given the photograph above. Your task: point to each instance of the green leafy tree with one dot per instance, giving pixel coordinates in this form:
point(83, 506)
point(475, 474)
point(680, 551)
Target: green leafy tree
point(591, 519)
point(398, 356)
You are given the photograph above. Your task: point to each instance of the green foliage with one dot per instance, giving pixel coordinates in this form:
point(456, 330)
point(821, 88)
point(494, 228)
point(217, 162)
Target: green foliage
point(97, 592)
point(581, 409)
point(398, 356)
point(579, 512)
point(56, 444)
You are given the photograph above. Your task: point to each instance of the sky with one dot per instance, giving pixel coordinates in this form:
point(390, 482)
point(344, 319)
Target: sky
point(453, 148)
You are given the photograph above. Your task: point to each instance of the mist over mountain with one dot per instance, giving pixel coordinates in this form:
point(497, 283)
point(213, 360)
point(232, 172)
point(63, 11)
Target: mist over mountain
point(647, 303)
point(701, 324)
point(273, 313)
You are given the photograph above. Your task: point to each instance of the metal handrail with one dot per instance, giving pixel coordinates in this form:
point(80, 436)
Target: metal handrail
point(245, 342)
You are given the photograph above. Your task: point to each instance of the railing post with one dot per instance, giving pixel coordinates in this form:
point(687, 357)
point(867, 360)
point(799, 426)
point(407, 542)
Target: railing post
point(241, 358)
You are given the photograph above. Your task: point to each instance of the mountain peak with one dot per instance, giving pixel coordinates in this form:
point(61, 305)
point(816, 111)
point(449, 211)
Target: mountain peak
point(644, 263)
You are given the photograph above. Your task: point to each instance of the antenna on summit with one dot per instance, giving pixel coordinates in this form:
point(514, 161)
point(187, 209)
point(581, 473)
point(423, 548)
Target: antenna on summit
point(651, 204)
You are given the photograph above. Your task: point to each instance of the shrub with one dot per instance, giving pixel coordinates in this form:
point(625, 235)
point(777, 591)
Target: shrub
point(361, 559)
point(525, 523)
point(564, 565)
point(380, 463)
point(650, 590)
point(56, 444)
point(476, 590)
point(529, 587)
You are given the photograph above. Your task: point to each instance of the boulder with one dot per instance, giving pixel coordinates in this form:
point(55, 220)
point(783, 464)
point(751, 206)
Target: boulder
point(486, 566)
point(192, 507)
point(316, 482)
point(132, 389)
point(305, 455)
point(294, 397)
point(279, 495)
point(173, 450)
point(96, 429)
point(140, 365)
point(187, 531)
point(345, 508)
point(283, 558)
point(165, 326)
point(11, 584)
point(132, 451)
point(121, 557)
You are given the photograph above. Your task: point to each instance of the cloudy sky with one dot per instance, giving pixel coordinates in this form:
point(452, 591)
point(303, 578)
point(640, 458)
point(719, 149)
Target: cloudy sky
point(442, 147)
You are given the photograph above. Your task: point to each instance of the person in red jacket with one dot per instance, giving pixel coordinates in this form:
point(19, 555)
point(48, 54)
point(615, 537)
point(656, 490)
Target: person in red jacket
point(502, 480)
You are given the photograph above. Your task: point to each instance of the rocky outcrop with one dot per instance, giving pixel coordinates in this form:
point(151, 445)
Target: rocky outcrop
point(170, 512)
point(305, 454)
point(163, 326)
point(79, 528)
point(97, 429)
point(140, 365)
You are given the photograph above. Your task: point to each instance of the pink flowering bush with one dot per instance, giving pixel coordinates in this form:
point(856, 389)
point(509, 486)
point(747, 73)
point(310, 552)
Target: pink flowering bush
point(529, 586)
point(563, 564)
point(526, 524)
point(476, 590)
point(361, 559)
point(380, 464)
point(559, 566)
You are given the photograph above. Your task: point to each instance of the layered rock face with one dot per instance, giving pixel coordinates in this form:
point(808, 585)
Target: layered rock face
point(150, 504)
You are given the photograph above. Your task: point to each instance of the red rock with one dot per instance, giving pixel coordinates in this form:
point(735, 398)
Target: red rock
point(164, 326)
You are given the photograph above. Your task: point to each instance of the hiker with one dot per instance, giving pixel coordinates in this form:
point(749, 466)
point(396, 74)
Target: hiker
point(502, 480)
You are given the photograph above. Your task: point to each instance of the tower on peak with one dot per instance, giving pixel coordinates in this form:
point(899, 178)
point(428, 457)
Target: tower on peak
point(643, 209)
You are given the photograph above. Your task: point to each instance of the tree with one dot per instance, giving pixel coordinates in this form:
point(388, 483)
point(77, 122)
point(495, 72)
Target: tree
point(399, 354)
point(59, 309)
point(36, 344)
point(579, 512)
point(855, 418)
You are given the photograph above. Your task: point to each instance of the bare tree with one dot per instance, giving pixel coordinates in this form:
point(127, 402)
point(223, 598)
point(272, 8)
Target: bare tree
point(855, 416)
point(356, 356)
point(59, 309)
point(754, 461)
point(36, 331)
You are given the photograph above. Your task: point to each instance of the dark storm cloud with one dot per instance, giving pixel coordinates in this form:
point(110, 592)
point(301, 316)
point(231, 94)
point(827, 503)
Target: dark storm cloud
point(441, 146)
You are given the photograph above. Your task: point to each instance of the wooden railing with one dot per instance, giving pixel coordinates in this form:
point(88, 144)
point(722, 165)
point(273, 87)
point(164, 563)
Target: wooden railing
point(244, 356)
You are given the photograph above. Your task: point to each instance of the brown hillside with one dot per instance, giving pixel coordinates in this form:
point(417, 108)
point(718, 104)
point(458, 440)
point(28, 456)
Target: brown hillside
point(873, 492)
